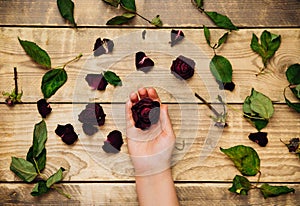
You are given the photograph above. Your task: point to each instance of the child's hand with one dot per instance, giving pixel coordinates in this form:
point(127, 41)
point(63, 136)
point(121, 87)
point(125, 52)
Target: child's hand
point(150, 150)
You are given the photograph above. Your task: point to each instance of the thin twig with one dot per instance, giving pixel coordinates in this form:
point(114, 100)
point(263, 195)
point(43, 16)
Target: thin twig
point(143, 18)
point(16, 81)
point(208, 105)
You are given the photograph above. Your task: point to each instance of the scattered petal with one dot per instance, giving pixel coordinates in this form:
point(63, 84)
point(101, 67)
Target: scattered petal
point(43, 107)
point(67, 133)
point(89, 129)
point(142, 62)
point(260, 138)
point(176, 36)
point(183, 67)
point(103, 46)
point(114, 142)
point(96, 81)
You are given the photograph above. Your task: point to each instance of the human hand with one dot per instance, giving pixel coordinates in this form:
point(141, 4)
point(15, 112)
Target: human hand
point(150, 150)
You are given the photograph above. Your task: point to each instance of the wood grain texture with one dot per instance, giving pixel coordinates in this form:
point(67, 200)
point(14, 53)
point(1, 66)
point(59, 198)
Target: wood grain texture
point(85, 161)
point(124, 193)
point(252, 13)
point(65, 44)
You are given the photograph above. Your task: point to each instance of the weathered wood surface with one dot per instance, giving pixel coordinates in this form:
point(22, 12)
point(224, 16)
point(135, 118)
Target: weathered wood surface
point(191, 194)
point(85, 161)
point(65, 44)
point(251, 13)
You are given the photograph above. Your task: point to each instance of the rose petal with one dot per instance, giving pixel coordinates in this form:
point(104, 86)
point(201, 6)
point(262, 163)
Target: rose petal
point(103, 47)
point(96, 81)
point(89, 129)
point(43, 107)
point(176, 36)
point(260, 138)
point(114, 142)
point(142, 62)
point(93, 114)
point(67, 133)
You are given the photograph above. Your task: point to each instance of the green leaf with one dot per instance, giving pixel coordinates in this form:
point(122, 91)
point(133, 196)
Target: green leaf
point(273, 191)
point(58, 176)
point(52, 81)
point(39, 188)
point(114, 3)
point(207, 34)
point(37, 54)
point(268, 47)
point(261, 104)
point(221, 69)
point(118, 20)
point(293, 74)
point(129, 5)
point(199, 3)
point(156, 21)
point(23, 169)
point(222, 39)
point(39, 138)
point(40, 160)
point(220, 20)
point(240, 185)
point(295, 106)
point(259, 124)
point(112, 78)
point(66, 9)
point(244, 158)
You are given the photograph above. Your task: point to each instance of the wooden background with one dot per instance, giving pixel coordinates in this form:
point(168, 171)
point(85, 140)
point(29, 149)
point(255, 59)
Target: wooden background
point(96, 181)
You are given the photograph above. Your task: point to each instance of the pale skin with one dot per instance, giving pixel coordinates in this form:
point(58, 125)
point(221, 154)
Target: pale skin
point(150, 151)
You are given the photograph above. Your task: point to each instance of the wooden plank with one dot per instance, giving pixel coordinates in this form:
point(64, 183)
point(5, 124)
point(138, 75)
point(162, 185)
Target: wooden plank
point(124, 193)
point(252, 13)
point(64, 44)
point(85, 161)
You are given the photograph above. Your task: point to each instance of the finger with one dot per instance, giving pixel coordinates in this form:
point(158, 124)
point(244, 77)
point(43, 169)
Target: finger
point(134, 97)
point(153, 94)
point(128, 114)
point(165, 120)
point(143, 93)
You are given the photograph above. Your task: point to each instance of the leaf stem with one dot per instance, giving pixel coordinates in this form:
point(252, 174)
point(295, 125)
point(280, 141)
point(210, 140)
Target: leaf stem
point(16, 81)
point(143, 18)
point(208, 105)
point(60, 191)
point(73, 60)
point(37, 167)
point(258, 179)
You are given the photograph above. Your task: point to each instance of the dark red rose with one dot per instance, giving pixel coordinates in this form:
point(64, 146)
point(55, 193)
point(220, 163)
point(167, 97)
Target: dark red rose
point(67, 133)
point(260, 138)
point(142, 62)
point(96, 81)
point(176, 36)
point(183, 67)
point(103, 47)
point(43, 107)
point(293, 145)
point(145, 113)
point(93, 114)
point(114, 142)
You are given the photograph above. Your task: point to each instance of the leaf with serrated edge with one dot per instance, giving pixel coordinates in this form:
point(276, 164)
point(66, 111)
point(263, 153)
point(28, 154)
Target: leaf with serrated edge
point(66, 9)
point(245, 159)
point(274, 191)
point(58, 176)
point(23, 169)
point(52, 81)
point(38, 55)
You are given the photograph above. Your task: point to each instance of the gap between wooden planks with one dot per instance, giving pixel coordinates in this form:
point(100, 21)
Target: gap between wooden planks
point(251, 13)
point(65, 44)
point(82, 164)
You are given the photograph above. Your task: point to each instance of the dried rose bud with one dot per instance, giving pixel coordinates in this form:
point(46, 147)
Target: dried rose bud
point(114, 142)
point(145, 113)
point(67, 133)
point(293, 145)
point(9, 102)
point(176, 36)
point(260, 138)
point(96, 81)
point(183, 67)
point(103, 47)
point(43, 107)
point(93, 114)
point(142, 62)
